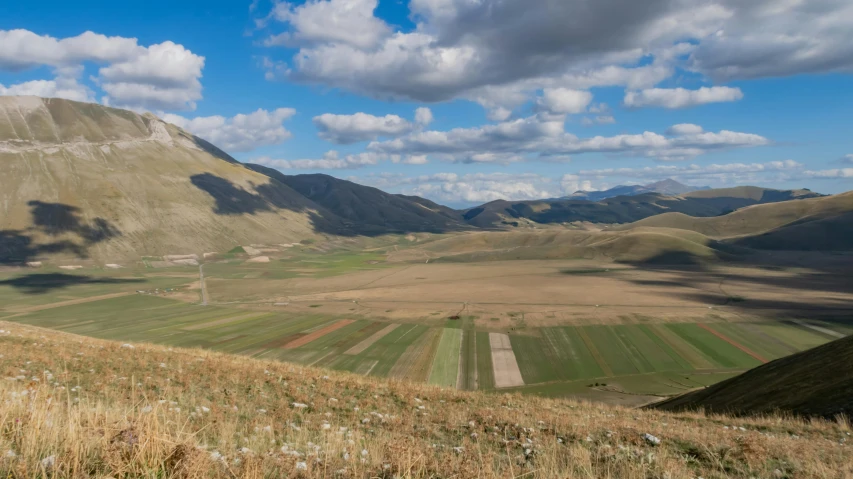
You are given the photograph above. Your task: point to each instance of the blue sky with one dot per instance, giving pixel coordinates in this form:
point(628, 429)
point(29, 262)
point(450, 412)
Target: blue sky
point(515, 99)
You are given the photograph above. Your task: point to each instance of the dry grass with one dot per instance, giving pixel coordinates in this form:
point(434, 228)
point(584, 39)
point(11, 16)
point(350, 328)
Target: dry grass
point(79, 407)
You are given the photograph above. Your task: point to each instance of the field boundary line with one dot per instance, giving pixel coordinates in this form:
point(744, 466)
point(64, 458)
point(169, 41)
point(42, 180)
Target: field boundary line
point(596, 354)
point(370, 340)
point(829, 332)
point(317, 334)
point(227, 320)
point(70, 302)
point(732, 342)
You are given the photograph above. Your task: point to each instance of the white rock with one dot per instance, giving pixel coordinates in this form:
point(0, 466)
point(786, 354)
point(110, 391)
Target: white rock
point(128, 346)
point(301, 466)
point(299, 405)
point(48, 462)
point(651, 439)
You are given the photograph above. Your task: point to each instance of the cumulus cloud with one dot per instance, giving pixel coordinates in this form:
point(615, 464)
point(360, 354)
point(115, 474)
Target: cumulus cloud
point(463, 48)
point(673, 98)
point(60, 87)
point(347, 129)
point(720, 173)
point(243, 132)
point(331, 160)
point(545, 137)
point(847, 159)
point(164, 76)
point(318, 22)
point(830, 174)
point(562, 101)
point(471, 188)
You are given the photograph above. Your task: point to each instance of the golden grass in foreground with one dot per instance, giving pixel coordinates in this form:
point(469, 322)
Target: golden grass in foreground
point(78, 407)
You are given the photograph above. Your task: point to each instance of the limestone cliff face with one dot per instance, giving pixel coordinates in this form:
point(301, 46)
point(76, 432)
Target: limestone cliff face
point(88, 181)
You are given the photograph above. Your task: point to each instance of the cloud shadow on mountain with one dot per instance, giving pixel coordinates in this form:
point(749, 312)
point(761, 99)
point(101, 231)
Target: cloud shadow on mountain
point(64, 226)
point(41, 283)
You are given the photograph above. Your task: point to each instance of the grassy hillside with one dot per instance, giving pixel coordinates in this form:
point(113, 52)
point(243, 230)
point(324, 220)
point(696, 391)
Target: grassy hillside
point(814, 223)
point(87, 181)
point(641, 245)
point(816, 382)
point(78, 407)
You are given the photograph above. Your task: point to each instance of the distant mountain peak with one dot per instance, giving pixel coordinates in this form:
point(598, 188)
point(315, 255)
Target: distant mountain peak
point(667, 186)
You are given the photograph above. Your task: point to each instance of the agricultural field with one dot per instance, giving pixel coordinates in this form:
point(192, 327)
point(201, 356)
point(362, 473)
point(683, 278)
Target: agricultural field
point(604, 332)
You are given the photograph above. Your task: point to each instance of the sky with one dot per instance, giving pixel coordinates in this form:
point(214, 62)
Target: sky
point(469, 101)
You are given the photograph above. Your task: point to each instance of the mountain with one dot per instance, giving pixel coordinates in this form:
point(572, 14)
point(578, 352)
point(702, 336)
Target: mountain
point(819, 223)
point(817, 382)
point(80, 180)
point(667, 187)
point(625, 209)
point(128, 410)
point(367, 209)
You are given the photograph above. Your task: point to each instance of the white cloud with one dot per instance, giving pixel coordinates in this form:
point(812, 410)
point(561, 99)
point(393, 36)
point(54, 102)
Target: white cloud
point(423, 116)
point(847, 159)
point(545, 137)
point(719, 173)
point(562, 101)
point(331, 161)
point(60, 87)
point(22, 49)
point(830, 174)
point(348, 129)
point(163, 76)
point(463, 48)
point(317, 22)
point(673, 98)
point(243, 132)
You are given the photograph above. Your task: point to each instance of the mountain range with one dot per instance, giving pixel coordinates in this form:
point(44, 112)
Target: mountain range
point(89, 181)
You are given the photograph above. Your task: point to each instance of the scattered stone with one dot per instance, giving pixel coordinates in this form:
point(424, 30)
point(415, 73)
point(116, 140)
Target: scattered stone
point(651, 439)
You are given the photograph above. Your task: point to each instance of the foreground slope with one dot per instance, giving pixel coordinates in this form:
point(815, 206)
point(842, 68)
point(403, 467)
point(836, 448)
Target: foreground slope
point(78, 407)
point(817, 382)
point(82, 180)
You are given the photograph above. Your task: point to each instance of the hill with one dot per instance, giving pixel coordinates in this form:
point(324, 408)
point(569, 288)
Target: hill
point(362, 207)
point(625, 209)
point(667, 187)
point(87, 181)
point(124, 410)
point(821, 223)
point(643, 245)
point(816, 382)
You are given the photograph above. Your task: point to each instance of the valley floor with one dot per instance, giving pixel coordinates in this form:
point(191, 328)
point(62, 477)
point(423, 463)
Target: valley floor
point(588, 329)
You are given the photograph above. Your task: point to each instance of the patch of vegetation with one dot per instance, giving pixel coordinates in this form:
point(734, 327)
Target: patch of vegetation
point(236, 250)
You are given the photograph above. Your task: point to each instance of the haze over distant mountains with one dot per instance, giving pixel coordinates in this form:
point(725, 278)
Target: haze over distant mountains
point(88, 181)
point(665, 187)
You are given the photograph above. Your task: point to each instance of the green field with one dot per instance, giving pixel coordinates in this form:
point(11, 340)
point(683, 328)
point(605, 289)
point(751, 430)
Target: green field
point(638, 359)
point(445, 366)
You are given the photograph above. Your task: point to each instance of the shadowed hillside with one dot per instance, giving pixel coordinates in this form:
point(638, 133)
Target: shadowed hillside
point(626, 209)
point(810, 224)
point(817, 382)
point(363, 206)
